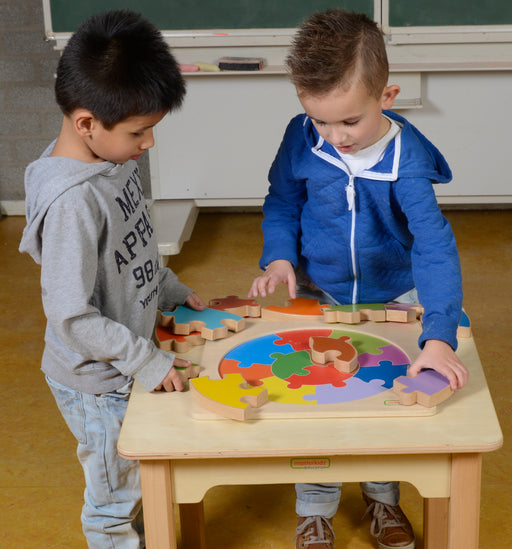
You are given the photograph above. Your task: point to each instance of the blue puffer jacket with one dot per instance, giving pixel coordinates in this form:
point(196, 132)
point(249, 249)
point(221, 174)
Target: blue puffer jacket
point(370, 238)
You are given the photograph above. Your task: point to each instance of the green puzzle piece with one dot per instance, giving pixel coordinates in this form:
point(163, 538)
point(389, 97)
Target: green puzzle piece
point(287, 365)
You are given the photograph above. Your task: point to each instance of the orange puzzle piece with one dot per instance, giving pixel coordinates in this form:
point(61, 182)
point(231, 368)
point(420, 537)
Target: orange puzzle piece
point(176, 343)
point(339, 350)
point(300, 308)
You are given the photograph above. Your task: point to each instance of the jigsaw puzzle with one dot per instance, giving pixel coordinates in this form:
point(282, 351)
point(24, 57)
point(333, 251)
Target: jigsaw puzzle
point(300, 383)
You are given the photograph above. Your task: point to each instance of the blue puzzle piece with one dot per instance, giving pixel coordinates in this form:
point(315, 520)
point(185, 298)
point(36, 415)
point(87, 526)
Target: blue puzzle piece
point(257, 351)
point(386, 371)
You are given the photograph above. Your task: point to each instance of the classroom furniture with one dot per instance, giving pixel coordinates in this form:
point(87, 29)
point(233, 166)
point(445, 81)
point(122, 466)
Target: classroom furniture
point(441, 455)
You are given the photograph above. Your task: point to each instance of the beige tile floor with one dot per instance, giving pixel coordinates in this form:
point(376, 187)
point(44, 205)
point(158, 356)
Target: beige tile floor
point(40, 480)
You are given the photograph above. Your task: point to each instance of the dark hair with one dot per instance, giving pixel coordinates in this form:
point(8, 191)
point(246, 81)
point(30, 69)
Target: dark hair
point(117, 65)
point(332, 48)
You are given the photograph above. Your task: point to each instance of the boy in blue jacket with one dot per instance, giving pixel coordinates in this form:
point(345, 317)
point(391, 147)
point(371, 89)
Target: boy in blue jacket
point(351, 217)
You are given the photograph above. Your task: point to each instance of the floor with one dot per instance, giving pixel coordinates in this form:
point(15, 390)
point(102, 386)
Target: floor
point(40, 480)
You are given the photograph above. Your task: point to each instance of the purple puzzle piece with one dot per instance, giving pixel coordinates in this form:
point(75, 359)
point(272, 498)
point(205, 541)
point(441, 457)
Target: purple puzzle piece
point(427, 381)
point(389, 352)
point(355, 389)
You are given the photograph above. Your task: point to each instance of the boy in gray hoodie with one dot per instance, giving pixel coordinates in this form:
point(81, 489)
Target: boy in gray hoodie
point(88, 227)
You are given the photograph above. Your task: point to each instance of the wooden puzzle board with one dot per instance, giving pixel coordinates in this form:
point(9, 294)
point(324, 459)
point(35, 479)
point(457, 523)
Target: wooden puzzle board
point(385, 351)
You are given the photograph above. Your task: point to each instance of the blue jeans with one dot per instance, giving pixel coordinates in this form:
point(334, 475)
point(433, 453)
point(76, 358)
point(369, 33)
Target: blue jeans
point(323, 499)
point(112, 512)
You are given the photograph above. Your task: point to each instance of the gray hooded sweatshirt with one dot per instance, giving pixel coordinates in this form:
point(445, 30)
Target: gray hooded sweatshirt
point(88, 227)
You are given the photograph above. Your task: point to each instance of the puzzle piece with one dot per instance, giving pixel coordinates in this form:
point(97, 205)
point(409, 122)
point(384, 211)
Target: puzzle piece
point(290, 364)
point(464, 329)
point(340, 351)
point(253, 374)
point(300, 308)
point(401, 312)
point(296, 338)
point(229, 397)
point(187, 372)
point(355, 389)
point(212, 324)
point(233, 304)
point(256, 351)
point(386, 371)
point(388, 352)
point(174, 343)
point(428, 388)
point(376, 312)
point(355, 313)
point(318, 375)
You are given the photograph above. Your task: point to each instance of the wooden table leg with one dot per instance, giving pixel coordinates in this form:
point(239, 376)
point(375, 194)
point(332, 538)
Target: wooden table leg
point(435, 523)
point(158, 504)
point(464, 515)
point(192, 526)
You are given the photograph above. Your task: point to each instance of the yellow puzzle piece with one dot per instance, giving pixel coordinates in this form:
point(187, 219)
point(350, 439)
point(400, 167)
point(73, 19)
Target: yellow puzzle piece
point(230, 397)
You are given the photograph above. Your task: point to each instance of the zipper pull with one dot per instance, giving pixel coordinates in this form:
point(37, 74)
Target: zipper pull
point(351, 193)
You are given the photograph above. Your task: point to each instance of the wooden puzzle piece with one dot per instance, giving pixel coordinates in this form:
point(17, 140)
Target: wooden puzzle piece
point(401, 312)
point(230, 397)
point(187, 372)
point(300, 308)
point(464, 329)
point(376, 312)
point(355, 313)
point(212, 324)
point(286, 365)
point(340, 351)
point(428, 388)
point(233, 304)
point(175, 343)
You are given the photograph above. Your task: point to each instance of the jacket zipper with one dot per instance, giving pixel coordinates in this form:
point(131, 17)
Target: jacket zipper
point(351, 197)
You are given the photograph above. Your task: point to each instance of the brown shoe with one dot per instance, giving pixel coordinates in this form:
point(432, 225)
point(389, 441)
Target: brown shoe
point(314, 533)
point(389, 525)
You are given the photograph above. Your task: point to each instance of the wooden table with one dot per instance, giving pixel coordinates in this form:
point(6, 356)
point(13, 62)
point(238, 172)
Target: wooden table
point(441, 455)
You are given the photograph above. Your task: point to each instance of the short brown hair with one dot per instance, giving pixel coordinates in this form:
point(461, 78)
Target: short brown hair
point(332, 48)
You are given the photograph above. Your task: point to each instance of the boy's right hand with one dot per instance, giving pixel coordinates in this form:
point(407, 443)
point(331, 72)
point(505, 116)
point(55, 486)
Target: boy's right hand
point(276, 272)
point(173, 381)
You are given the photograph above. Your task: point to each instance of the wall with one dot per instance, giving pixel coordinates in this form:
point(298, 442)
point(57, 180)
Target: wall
point(29, 118)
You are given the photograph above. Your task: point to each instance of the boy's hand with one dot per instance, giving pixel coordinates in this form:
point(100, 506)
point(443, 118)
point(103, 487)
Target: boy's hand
point(439, 356)
point(173, 381)
point(277, 271)
point(195, 302)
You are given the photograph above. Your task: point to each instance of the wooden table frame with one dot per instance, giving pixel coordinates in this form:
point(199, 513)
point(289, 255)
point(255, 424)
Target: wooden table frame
point(441, 455)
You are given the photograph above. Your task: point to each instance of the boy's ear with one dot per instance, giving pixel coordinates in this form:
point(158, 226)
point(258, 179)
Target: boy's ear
point(388, 96)
point(84, 122)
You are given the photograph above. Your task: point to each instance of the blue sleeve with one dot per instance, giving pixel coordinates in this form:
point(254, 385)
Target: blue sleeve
point(435, 260)
point(283, 204)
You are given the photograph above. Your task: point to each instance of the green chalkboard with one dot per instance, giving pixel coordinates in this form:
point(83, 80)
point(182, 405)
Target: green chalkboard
point(413, 13)
point(203, 14)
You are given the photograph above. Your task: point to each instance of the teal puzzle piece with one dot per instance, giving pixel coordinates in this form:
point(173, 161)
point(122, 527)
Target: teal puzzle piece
point(212, 318)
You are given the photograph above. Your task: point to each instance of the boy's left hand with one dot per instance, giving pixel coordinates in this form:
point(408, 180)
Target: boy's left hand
point(195, 302)
point(439, 356)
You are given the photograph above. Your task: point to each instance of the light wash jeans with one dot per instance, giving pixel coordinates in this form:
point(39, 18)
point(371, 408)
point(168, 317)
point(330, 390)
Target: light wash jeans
point(112, 513)
point(323, 499)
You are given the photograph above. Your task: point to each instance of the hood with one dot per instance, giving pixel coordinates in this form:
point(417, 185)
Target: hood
point(45, 180)
point(410, 154)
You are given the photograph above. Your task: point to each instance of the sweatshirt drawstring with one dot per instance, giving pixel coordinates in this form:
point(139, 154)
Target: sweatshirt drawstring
point(351, 199)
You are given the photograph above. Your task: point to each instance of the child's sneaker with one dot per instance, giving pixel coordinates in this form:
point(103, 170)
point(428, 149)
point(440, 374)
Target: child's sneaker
point(314, 533)
point(389, 525)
